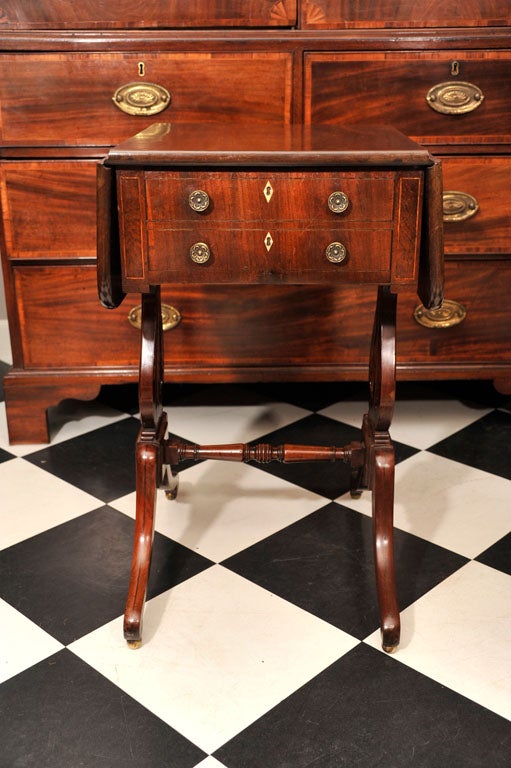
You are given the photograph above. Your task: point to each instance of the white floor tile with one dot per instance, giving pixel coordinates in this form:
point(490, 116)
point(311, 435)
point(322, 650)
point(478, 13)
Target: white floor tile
point(224, 423)
point(34, 500)
point(224, 507)
point(210, 762)
point(23, 643)
point(448, 503)
point(458, 634)
point(5, 343)
point(69, 419)
point(219, 651)
point(420, 424)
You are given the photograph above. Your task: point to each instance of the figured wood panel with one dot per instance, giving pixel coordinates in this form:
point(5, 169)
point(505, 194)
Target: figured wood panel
point(483, 289)
point(49, 208)
point(269, 196)
point(285, 328)
point(392, 88)
point(241, 255)
point(61, 14)
point(67, 99)
point(488, 181)
point(339, 14)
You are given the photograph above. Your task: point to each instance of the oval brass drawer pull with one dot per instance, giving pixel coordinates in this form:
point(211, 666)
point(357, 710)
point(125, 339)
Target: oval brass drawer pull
point(170, 317)
point(141, 98)
point(200, 253)
point(449, 314)
point(459, 206)
point(198, 200)
point(454, 97)
point(336, 253)
point(338, 202)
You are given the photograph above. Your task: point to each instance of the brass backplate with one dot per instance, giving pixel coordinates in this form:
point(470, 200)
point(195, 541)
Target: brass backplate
point(458, 206)
point(170, 317)
point(454, 97)
point(141, 98)
point(451, 313)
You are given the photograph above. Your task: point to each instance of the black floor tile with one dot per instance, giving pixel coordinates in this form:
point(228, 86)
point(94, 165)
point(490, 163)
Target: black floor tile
point(314, 396)
point(4, 367)
point(101, 462)
point(73, 578)
point(499, 555)
point(329, 479)
point(5, 455)
point(75, 718)
point(324, 564)
point(485, 444)
point(369, 711)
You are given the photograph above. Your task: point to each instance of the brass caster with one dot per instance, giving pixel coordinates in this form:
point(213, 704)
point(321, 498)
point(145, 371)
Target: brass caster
point(134, 644)
point(390, 648)
point(171, 495)
point(355, 494)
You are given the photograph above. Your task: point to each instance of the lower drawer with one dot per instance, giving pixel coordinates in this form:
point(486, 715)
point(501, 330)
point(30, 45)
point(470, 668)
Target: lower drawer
point(240, 331)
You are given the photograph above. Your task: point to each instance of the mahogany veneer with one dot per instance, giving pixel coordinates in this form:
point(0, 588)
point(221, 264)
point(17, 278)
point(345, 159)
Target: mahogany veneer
point(195, 182)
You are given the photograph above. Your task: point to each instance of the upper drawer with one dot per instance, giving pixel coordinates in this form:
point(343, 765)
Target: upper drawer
point(61, 14)
point(434, 97)
point(72, 99)
point(339, 14)
point(217, 198)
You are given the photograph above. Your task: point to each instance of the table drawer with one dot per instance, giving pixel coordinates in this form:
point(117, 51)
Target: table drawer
point(55, 14)
point(276, 227)
point(337, 14)
point(49, 208)
point(269, 196)
point(74, 98)
point(435, 97)
point(477, 205)
point(267, 255)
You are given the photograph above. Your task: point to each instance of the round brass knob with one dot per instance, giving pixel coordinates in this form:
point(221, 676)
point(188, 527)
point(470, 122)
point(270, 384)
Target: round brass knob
point(338, 202)
point(198, 200)
point(200, 253)
point(336, 252)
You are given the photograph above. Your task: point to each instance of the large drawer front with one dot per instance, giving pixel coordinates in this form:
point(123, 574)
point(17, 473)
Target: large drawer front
point(74, 98)
point(334, 14)
point(55, 14)
point(442, 97)
point(477, 205)
point(49, 208)
point(257, 327)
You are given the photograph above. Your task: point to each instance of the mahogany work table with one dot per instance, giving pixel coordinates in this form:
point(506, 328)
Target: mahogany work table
point(215, 204)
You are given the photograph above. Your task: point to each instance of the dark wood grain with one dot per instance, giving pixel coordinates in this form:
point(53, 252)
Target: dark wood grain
point(60, 14)
point(331, 14)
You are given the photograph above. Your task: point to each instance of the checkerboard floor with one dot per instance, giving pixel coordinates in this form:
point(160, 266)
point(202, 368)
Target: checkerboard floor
point(261, 642)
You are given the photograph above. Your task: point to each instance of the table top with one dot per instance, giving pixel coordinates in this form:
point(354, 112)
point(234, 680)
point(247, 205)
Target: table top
point(232, 144)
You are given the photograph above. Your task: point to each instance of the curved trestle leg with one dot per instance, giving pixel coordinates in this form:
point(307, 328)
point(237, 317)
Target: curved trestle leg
point(151, 470)
point(378, 472)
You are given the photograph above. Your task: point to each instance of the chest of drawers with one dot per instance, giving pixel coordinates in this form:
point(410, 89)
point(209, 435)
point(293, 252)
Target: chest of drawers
point(75, 81)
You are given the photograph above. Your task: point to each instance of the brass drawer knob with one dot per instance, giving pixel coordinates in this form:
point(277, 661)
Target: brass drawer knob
point(198, 200)
point(336, 253)
point(170, 317)
point(449, 314)
point(338, 202)
point(141, 98)
point(459, 206)
point(200, 253)
point(454, 97)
